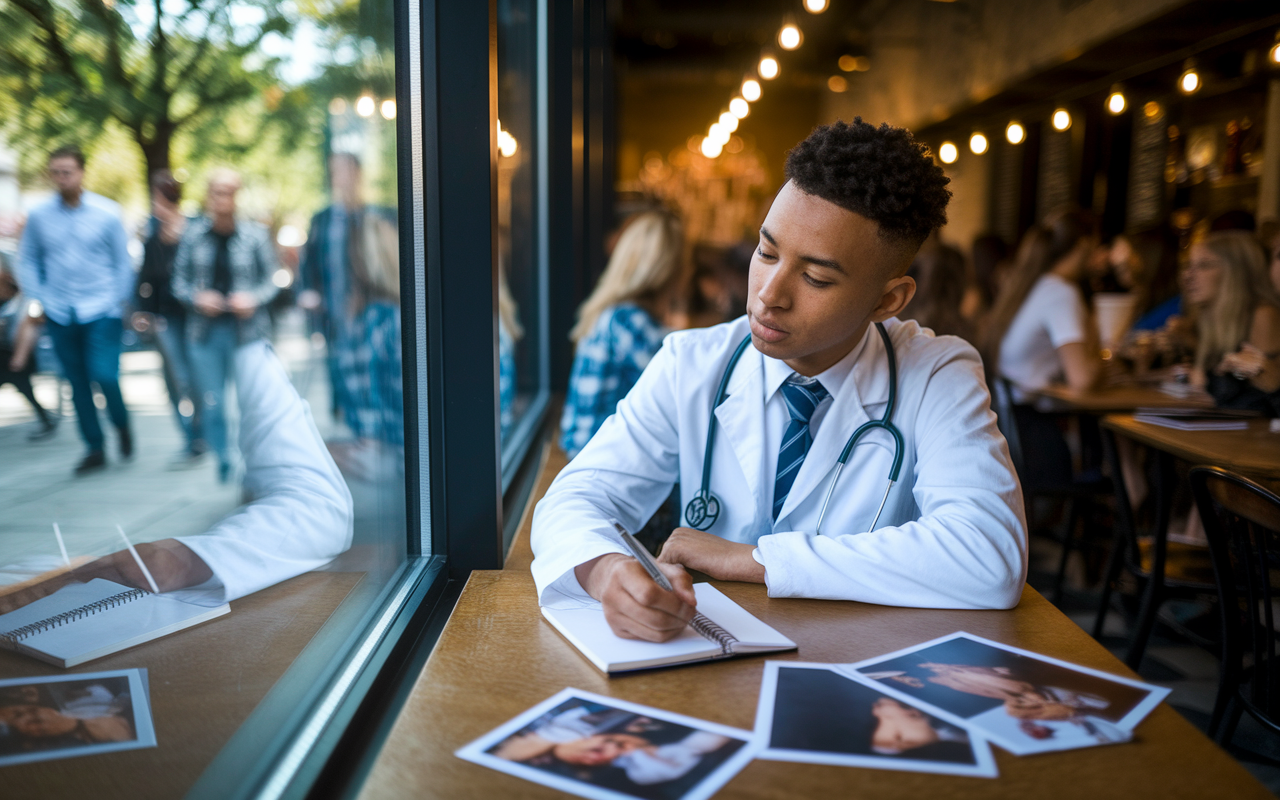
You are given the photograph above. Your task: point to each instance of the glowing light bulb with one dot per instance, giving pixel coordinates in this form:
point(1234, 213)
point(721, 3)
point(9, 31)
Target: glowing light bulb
point(711, 148)
point(739, 107)
point(948, 152)
point(1274, 55)
point(768, 68)
point(1015, 133)
point(1116, 102)
point(815, 6)
point(1189, 83)
point(364, 106)
point(790, 37)
point(1061, 119)
point(847, 63)
point(751, 89)
point(837, 84)
point(978, 144)
point(719, 134)
point(388, 109)
point(728, 121)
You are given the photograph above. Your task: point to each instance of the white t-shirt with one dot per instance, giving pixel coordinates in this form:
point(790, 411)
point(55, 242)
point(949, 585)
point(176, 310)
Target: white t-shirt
point(1053, 315)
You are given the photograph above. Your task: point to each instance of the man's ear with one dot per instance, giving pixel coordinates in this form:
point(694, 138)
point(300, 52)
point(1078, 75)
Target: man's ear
point(897, 294)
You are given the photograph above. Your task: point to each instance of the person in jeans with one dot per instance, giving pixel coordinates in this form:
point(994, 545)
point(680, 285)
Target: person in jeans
point(166, 316)
point(74, 260)
point(222, 273)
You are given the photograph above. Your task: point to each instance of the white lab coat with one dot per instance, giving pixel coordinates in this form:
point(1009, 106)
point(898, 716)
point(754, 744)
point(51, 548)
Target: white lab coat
point(301, 514)
point(952, 534)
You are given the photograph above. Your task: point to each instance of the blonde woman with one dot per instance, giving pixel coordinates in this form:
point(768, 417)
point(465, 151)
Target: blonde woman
point(620, 326)
point(1237, 322)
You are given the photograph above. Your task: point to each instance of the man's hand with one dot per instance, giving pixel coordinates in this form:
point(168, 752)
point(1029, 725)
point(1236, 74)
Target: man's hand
point(171, 563)
point(635, 606)
point(209, 302)
point(719, 558)
point(242, 304)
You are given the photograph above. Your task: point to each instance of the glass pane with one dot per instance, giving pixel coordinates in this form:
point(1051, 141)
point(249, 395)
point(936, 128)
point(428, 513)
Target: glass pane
point(520, 323)
point(200, 331)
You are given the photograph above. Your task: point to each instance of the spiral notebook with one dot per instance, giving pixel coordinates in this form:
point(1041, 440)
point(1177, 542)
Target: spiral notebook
point(84, 621)
point(722, 629)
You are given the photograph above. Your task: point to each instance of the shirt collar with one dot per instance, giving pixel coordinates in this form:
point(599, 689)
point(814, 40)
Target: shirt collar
point(776, 371)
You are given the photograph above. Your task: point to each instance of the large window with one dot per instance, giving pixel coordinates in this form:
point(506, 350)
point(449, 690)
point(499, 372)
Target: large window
point(202, 341)
point(521, 254)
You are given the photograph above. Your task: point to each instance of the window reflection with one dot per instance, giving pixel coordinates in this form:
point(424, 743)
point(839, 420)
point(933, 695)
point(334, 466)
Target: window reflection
point(241, 358)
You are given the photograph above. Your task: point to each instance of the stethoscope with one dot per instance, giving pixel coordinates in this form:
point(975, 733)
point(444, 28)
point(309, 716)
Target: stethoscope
point(704, 509)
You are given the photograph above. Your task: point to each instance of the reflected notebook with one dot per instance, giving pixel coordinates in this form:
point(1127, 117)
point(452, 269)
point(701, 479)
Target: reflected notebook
point(722, 629)
point(84, 621)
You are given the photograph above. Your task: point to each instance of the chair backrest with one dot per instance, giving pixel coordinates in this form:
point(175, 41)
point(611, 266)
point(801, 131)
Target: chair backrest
point(1002, 404)
point(1242, 521)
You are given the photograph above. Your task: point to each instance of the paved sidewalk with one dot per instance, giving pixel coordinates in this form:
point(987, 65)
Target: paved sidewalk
point(145, 497)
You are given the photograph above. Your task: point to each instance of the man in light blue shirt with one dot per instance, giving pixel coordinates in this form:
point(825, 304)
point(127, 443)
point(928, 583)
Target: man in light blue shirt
point(74, 260)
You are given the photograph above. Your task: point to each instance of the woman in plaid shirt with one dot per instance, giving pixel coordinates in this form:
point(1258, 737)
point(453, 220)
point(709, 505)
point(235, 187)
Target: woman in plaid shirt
point(620, 325)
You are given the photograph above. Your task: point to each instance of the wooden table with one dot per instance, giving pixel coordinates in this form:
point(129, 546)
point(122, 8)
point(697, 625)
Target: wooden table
point(1254, 452)
point(1111, 399)
point(204, 682)
point(497, 657)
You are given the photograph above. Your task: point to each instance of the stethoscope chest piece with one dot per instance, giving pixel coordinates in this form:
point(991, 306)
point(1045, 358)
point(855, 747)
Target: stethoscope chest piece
point(702, 511)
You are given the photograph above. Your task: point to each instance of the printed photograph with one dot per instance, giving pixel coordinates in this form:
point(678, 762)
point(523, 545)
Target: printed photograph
point(56, 717)
point(815, 714)
point(1024, 702)
point(599, 747)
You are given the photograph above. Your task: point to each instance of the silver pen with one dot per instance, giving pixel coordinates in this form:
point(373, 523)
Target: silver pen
point(642, 555)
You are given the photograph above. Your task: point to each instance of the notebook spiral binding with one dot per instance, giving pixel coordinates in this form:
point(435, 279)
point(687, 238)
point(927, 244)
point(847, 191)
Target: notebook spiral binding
point(27, 631)
point(703, 625)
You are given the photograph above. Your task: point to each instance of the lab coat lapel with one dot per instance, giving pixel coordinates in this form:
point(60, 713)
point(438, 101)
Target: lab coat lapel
point(741, 417)
point(867, 384)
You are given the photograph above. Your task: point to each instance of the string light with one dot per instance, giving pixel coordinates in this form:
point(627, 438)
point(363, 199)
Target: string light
point(948, 152)
point(815, 6)
point(1061, 119)
point(739, 108)
point(506, 142)
point(710, 148)
point(837, 84)
point(729, 122)
point(1189, 81)
point(790, 37)
point(1015, 133)
point(978, 144)
point(751, 89)
point(1115, 101)
point(768, 68)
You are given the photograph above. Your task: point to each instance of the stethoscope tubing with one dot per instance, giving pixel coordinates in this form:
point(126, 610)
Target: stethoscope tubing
point(704, 509)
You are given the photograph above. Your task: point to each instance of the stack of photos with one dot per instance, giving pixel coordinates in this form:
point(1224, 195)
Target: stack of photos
point(598, 747)
point(815, 714)
point(60, 717)
point(1024, 702)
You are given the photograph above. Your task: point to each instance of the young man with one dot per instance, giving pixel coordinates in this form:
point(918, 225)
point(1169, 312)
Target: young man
point(74, 259)
point(832, 259)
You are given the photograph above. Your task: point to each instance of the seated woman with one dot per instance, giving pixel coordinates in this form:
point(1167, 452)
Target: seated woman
point(1238, 322)
point(620, 326)
point(1145, 264)
point(1040, 333)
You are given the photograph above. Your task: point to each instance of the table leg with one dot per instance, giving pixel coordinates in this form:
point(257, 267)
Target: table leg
point(1122, 538)
point(1152, 595)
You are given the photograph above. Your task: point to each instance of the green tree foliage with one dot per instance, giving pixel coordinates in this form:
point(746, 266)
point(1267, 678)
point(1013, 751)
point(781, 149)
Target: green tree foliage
point(69, 69)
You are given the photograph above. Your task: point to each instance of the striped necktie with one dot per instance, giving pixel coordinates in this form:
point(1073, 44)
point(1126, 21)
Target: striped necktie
point(802, 400)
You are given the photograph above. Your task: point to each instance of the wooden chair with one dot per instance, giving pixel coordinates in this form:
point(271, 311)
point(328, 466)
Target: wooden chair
point(1242, 520)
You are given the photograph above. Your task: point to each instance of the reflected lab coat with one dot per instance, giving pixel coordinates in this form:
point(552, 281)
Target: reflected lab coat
point(952, 534)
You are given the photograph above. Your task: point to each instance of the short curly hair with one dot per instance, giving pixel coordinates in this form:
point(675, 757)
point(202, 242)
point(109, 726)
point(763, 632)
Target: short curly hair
point(882, 173)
